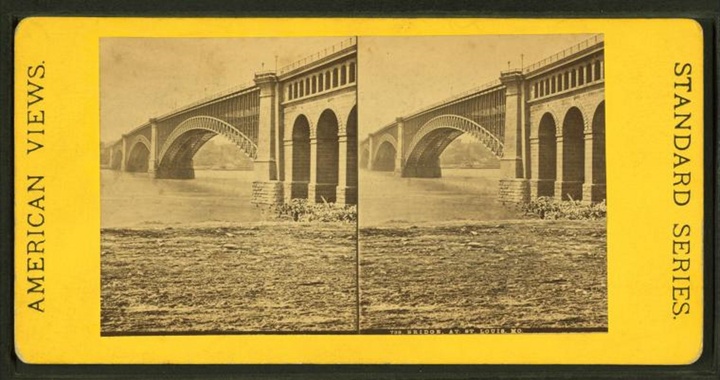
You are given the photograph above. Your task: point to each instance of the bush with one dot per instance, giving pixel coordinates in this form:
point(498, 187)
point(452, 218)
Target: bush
point(549, 208)
point(300, 210)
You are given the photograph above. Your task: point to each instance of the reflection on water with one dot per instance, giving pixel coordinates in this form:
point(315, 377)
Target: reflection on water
point(461, 194)
point(133, 199)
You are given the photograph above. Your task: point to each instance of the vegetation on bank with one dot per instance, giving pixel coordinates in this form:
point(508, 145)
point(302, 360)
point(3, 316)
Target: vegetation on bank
point(300, 210)
point(549, 208)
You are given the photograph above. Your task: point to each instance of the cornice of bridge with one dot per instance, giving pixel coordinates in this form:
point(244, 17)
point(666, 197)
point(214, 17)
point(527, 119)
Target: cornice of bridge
point(572, 54)
point(326, 57)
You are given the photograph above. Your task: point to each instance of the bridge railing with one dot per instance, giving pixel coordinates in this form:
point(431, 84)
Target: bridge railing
point(455, 97)
point(346, 43)
point(444, 102)
point(592, 41)
point(209, 98)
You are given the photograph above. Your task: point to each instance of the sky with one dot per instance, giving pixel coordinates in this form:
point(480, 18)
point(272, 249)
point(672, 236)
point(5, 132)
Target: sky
point(399, 75)
point(141, 78)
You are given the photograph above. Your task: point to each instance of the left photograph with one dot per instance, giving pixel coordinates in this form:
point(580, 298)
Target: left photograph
point(228, 186)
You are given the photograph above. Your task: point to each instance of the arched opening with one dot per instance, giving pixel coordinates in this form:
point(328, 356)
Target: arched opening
point(326, 180)
point(300, 157)
point(573, 155)
point(175, 158)
point(138, 158)
point(588, 73)
point(385, 157)
point(343, 75)
point(547, 156)
point(352, 72)
point(424, 160)
point(597, 190)
point(335, 77)
point(352, 154)
point(219, 153)
point(177, 163)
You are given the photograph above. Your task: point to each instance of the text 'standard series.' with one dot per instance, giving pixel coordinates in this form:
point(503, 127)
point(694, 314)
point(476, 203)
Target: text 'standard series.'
point(35, 243)
point(682, 175)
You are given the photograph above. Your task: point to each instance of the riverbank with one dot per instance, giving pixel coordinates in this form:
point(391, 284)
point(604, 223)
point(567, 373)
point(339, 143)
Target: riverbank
point(530, 274)
point(229, 277)
point(301, 277)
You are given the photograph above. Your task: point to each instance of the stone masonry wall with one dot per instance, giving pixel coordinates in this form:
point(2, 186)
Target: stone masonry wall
point(514, 190)
point(267, 193)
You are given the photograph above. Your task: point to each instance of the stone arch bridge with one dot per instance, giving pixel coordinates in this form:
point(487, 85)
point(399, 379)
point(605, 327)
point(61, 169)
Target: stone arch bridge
point(298, 125)
point(545, 123)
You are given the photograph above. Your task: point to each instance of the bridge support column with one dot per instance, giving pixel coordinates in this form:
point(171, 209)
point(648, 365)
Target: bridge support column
point(111, 153)
point(371, 156)
point(312, 185)
point(123, 162)
point(184, 172)
point(266, 187)
point(535, 182)
point(513, 187)
point(152, 161)
point(346, 193)
point(400, 153)
point(593, 190)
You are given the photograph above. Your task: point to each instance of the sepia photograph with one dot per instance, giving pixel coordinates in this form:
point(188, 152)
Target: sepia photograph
point(409, 192)
point(228, 185)
point(482, 203)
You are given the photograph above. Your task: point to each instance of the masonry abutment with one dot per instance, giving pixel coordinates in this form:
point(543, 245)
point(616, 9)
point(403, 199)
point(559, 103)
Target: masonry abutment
point(266, 187)
point(513, 187)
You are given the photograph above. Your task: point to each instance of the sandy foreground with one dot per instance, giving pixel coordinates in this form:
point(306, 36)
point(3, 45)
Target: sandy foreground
point(295, 277)
point(262, 277)
point(530, 274)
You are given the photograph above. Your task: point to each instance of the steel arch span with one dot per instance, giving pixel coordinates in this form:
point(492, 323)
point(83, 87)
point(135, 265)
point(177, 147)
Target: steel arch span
point(175, 156)
point(434, 136)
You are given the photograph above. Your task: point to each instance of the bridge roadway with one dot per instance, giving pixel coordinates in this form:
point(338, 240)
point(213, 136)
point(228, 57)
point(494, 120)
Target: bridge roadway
point(544, 122)
point(298, 125)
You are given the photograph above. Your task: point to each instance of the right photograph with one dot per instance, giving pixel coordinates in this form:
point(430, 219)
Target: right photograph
point(482, 190)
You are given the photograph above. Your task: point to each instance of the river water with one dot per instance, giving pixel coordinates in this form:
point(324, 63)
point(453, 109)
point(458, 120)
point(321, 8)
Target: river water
point(461, 194)
point(136, 199)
